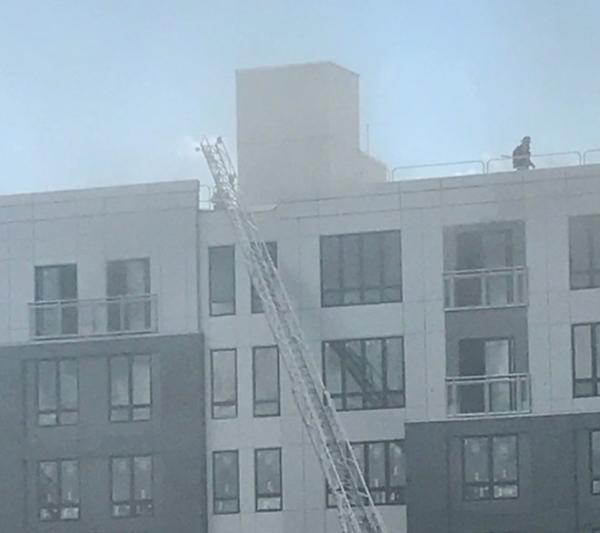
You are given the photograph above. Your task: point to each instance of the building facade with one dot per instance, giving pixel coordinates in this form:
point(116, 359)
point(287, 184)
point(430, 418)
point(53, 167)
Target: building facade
point(102, 416)
point(455, 320)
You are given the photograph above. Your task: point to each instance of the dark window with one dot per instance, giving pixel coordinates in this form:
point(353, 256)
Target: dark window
point(383, 466)
point(221, 273)
point(226, 482)
point(484, 250)
point(56, 311)
point(267, 474)
point(584, 247)
point(586, 367)
point(265, 366)
point(130, 388)
point(224, 383)
point(256, 303)
point(490, 467)
point(486, 357)
point(365, 373)
point(58, 490)
point(595, 461)
point(487, 248)
point(128, 292)
point(362, 268)
point(57, 392)
point(131, 479)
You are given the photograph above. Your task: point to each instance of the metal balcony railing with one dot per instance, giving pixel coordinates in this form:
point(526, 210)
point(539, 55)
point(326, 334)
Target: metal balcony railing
point(117, 315)
point(488, 395)
point(485, 288)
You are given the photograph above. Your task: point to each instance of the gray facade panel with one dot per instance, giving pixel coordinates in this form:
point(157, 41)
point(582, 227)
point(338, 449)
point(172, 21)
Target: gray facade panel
point(174, 435)
point(554, 477)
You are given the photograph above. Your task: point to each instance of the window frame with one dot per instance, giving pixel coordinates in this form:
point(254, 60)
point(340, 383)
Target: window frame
point(387, 489)
point(66, 308)
point(59, 507)
point(133, 503)
point(236, 454)
point(594, 476)
point(587, 221)
point(212, 385)
point(131, 407)
point(255, 301)
point(361, 261)
point(210, 277)
point(595, 367)
point(254, 383)
point(386, 392)
point(37, 269)
point(258, 495)
point(491, 483)
point(59, 411)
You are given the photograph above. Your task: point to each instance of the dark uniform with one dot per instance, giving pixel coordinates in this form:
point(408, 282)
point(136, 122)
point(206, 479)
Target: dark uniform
point(521, 155)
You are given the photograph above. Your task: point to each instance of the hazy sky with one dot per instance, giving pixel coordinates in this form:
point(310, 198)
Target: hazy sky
point(114, 91)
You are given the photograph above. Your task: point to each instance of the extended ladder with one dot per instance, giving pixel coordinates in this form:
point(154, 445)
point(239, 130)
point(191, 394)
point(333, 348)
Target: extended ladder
point(356, 510)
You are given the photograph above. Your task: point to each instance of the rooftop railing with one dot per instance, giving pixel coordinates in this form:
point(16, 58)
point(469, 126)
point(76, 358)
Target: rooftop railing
point(488, 395)
point(485, 288)
point(493, 165)
point(120, 315)
point(591, 157)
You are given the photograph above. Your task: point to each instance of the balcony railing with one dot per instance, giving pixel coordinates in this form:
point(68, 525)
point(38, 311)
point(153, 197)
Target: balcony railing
point(485, 288)
point(488, 395)
point(120, 315)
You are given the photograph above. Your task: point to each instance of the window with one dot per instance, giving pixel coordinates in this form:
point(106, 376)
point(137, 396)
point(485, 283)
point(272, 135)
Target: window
point(226, 482)
point(362, 268)
point(221, 273)
point(584, 251)
point(267, 479)
point(486, 248)
point(595, 461)
point(586, 351)
point(265, 366)
point(130, 388)
point(364, 373)
point(128, 292)
point(256, 303)
point(56, 300)
point(486, 357)
point(58, 490)
point(383, 466)
point(490, 467)
point(131, 480)
point(57, 392)
point(224, 383)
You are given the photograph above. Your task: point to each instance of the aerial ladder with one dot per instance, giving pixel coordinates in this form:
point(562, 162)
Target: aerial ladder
point(356, 511)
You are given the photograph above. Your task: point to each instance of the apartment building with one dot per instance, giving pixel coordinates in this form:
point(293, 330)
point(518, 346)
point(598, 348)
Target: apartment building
point(102, 411)
point(455, 320)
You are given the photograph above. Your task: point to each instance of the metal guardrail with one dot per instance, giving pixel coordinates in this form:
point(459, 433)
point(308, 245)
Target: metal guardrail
point(485, 288)
point(496, 164)
point(488, 395)
point(591, 157)
point(566, 159)
point(432, 170)
point(119, 315)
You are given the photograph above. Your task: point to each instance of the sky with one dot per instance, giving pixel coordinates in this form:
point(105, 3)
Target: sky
point(106, 92)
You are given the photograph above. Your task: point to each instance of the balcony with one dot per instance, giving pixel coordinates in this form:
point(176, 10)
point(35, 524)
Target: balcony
point(485, 288)
point(508, 394)
point(121, 315)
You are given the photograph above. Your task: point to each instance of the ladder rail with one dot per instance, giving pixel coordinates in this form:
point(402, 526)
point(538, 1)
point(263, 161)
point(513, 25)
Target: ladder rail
point(356, 510)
